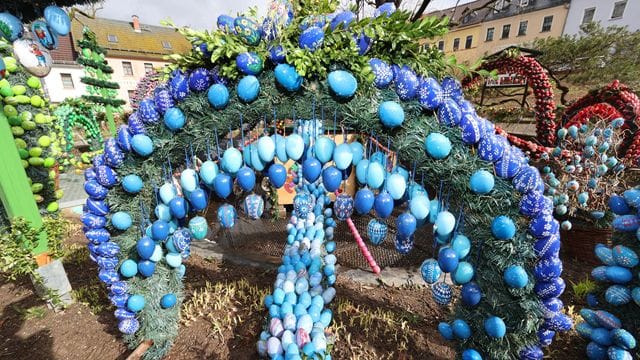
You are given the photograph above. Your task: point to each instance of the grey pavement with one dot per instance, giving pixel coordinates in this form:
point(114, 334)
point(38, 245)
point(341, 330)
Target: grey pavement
point(73, 186)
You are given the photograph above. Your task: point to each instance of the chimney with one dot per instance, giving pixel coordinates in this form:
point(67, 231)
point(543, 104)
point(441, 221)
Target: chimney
point(136, 23)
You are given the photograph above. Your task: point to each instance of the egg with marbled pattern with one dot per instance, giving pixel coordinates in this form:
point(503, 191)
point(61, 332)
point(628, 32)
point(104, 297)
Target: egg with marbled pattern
point(249, 63)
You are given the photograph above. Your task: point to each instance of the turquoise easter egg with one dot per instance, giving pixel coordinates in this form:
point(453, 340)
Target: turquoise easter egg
point(227, 216)
point(361, 171)
point(287, 76)
point(232, 160)
point(323, 148)
point(515, 276)
point(624, 256)
point(342, 156)
point(174, 119)
point(464, 273)
point(132, 184)
point(281, 147)
point(294, 146)
point(218, 96)
point(135, 303)
point(445, 223)
point(495, 327)
point(10, 27)
point(461, 245)
point(632, 197)
point(248, 88)
point(481, 182)
point(248, 30)
point(121, 220)
point(142, 145)
point(391, 114)
point(437, 146)
point(168, 301)
point(57, 20)
point(128, 268)
point(357, 149)
point(396, 185)
point(208, 172)
point(342, 83)
point(249, 63)
point(198, 227)
point(503, 227)
point(375, 175)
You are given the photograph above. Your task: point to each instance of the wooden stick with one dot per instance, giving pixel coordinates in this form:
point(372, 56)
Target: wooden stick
point(140, 350)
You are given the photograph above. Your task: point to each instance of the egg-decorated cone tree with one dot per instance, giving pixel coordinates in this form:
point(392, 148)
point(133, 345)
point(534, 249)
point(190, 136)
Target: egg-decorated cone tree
point(333, 64)
point(101, 91)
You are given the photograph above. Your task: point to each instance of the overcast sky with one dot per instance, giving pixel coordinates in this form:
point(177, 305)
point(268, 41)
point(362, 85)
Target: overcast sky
point(202, 14)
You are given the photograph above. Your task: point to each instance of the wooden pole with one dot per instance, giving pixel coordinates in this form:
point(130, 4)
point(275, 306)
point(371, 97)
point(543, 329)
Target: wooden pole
point(140, 350)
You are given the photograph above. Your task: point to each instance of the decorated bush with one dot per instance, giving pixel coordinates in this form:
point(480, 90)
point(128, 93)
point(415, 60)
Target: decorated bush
point(498, 242)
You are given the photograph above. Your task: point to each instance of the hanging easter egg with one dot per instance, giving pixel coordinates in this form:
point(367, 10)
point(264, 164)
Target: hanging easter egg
point(48, 39)
point(343, 207)
point(218, 96)
point(495, 327)
point(287, 76)
point(449, 113)
point(248, 30)
point(57, 20)
point(227, 216)
point(375, 175)
point(323, 148)
point(198, 227)
point(246, 178)
point(311, 169)
point(437, 146)
point(208, 172)
point(342, 83)
point(377, 231)
point(33, 57)
point(396, 185)
point(167, 192)
point(277, 175)
point(363, 201)
point(503, 228)
point(406, 84)
point(249, 63)
point(481, 182)
point(121, 220)
point(281, 147)
point(232, 160)
point(254, 158)
point(223, 185)
point(404, 244)
point(406, 224)
point(331, 178)
point(198, 199)
point(294, 146)
point(342, 156)
point(266, 148)
point(303, 204)
point(445, 223)
point(142, 145)
point(10, 27)
point(254, 206)
point(383, 205)
point(516, 277)
point(248, 88)
point(361, 171)
point(430, 271)
point(174, 119)
point(441, 293)
point(311, 39)
point(447, 260)
point(382, 72)
point(391, 114)
point(419, 206)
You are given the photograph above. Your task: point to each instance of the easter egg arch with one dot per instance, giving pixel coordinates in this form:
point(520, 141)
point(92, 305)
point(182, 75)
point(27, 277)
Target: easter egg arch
point(141, 216)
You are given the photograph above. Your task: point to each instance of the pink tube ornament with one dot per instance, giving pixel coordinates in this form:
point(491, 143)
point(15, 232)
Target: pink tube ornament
point(363, 247)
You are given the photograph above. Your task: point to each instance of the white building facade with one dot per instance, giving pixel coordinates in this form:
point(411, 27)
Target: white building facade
point(606, 12)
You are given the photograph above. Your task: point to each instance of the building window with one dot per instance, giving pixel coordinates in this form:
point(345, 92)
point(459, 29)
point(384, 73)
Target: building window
point(112, 38)
point(456, 44)
point(490, 32)
point(67, 81)
point(587, 17)
point(148, 67)
point(127, 69)
point(441, 45)
point(505, 31)
point(522, 29)
point(500, 5)
point(166, 45)
point(131, 94)
point(618, 9)
point(468, 42)
point(546, 23)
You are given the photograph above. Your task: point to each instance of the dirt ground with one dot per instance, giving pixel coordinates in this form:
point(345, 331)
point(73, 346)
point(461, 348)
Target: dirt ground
point(370, 322)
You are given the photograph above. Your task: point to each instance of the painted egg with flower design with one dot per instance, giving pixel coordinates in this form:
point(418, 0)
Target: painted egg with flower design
point(544, 225)
point(147, 111)
point(123, 138)
point(248, 30)
point(106, 176)
point(406, 84)
point(249, 63)
point(253, 206)
point(113, 155)
point(343, 206)
point(382, 72)
point(470, 129)
point(227, 216)
point(528, 179)
point(199, 79)
point(179, 85)
point(624, 256)
point(430, 271)
point(311, 39)
point(136, 126)
point(377, 231)
point(162, 99)
point(430, 93)
point(451, 88)
point(509, 165)
point(277, 54)
point(491, 148)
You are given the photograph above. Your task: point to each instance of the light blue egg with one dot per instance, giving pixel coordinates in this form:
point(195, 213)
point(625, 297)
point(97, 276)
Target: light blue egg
point(248, 88)
point(437, 145)
point(121, 220)
point(208, 172)
point(516, 277)
point(419, 206)
point(495, 327)
point(357, 149)
point(342, 83)
point(132, 184)
point(342, 156)
point(324, 148)
point(232, 160)
point(396, 185)
point(375, 175)
point(218, 96)
point(461, 245)
point(294, 146)
point(142, 145)
point(12, 27)
point(481, 182)
point(288, 77)
point(464, 273)
point(266, 148)
point(361, 171)
point(57, 20)
point(391, 114)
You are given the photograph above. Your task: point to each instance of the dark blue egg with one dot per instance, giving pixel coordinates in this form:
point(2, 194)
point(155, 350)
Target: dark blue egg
point(98, 160)
point(548, 269)
point(626, 223)
point(382, 72)
point(471, 294)
point(618, 205)
point(549, 289)
point(545, 337)
point(528, 179)
point(204, 49)
point(404, 244)
point(441, 293)
point(113, 155)
point(178, 86)
point(97, 235)
point(533, 203)
point(599, 273)
point(97, 207)
point(223, 185)
point(119, 287)
point(383, 204)
point(181, 239)
point(448, 260)
point(178, 207)
point(108, 276)
point(108, 249)
point(248, 30)
point(92, 221)
point(509, 165)
point(89, 174)
point(318, 20)
point(364, 200)
point(107, 262)
point(385, 9)
point(466, 107)
point(470, 129)
point(596, 352)
point(199, 80)
point(544, 225)
point(342, 20)
point(159, 230)
point(128, 326)
point(331, 178)
point(406, 224)
point(531, 353)
point(162, 98)
point(124, 138)
point(491, 148)
point(495, 327)
point(119, 300)
point(95, 190)
point(249, 63)
point(198, 199)
point(451, 88)
point(449, 113)
point(430, 93)
point(226, 24)
point(363, 42)
point(136, 126)
point(145, 247)
point(406, 84)
point(311, 169)
point(607, 320)
point(559, 322)
point(246, 178)
point(105, 176)
point(147, 111)
point(146, 267)
point(446, 331)
point(277, 175)
point(311, 39)
point(277, 54)
point(122, 313)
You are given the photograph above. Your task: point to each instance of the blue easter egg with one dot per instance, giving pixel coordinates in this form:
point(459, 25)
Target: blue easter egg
point(287, 76)
point(218, 96)
point(617, 295)
point(98, 236)
point(396, 186)
point(249, 63)
point(528, 179)
point(254, 206)
point(46, 37)
point(632, 197)
point(343, 207)
point(471, 294)
point(342, 20)
point(168, 301)
point(128, 326)
point(385, 9)
point(471, 354)
point(419, 206)
point(266, 148)
point(142, 145)
point(445, 223)
point(441, 293)
point(495, 327)
point(382, 72)
point(323, 148)
point(406, 224)
point(446, 331)
point(136, 126)
point(461, 245)
point(128, 268)
point(121, 220)
point(248, 88)
point(57, 20)
point(162, 99)
point(437, 146)
point(342, 156)
point(106, 177)
point(146, 268)
point(461, 329)
point(11, 27)
point(515, 276)
point(624, 256)
point(227, 216)
point(383, 205)
point(375, 175)
point(491, 148)
point(174, 119)
point(464, 273)
point(148, 112)
point(481, 182)
point(232, 160)
point(544, 225)
point(95, 190)
point(503, 228)
point(406, 84)
point(451, 88)
point(357, 152)
point(533, 203)
point(623, 339)
point(223, 185)
point(97, 207)
point(430, 271)
point(547, 269)
point(342, 83)
point(294, 146)
point(246, 178)
point(549, 289)
point(311, 169)
point(448, 260)
point(509, 165)
point(277, 175)
point(331, 178)
point(391, 114)
point(617, 353)
point(198, 199)
point(178, 87)
point(430, 93)
point(531, 353)
point(361, 171)
point(178, 207)
point(159, 230)
point(449, 113)
point(135, 303)
point(226, 23)
point(198, 227)
point(277, 54)
point(377, 231)
point(113, 155)
point(626, 223)
point(470, 129)
point(311, 38)
point(596, 352)
point(607, 320)
point(618, 205)
point(145, 247)
point(248, 30)
point(123, 138)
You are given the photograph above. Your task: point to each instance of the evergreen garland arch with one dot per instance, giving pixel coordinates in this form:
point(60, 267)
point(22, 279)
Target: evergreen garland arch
point(131, 186)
